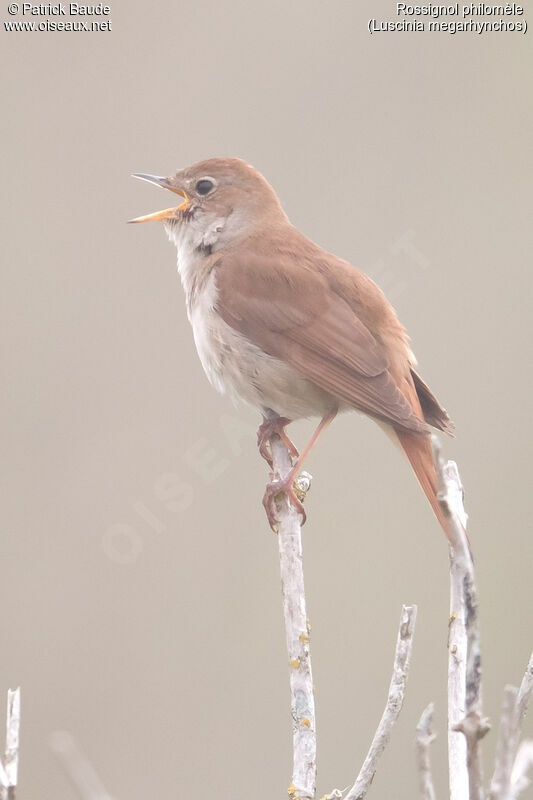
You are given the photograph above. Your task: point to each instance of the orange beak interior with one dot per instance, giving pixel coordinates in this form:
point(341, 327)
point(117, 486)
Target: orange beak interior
point(167, 213)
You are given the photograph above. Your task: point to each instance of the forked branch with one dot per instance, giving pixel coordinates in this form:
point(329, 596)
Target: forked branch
point(297, 630)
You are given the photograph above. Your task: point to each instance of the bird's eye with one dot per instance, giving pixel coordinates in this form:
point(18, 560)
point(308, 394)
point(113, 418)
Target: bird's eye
point(204, 186)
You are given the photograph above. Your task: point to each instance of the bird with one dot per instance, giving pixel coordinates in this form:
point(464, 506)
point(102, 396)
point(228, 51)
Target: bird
point(288, 327)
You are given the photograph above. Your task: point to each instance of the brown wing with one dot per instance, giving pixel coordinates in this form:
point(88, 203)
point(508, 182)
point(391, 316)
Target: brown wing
point(288, 308)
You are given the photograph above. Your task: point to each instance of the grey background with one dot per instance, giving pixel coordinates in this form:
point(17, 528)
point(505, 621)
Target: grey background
point(159, 645)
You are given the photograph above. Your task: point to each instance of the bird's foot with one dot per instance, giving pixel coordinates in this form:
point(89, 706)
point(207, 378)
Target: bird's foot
point(267, 430)
point(291, 489)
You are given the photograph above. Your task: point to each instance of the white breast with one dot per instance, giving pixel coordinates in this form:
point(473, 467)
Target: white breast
point(229, 360)
point(240, 369)
point(233, 364)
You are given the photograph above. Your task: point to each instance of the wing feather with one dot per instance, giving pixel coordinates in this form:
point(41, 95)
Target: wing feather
point(291, 312)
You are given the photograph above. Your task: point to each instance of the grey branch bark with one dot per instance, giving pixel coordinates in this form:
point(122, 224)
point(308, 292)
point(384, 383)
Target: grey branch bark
point(394, 704)
point(424, 738)
point(466, 723)
point(506, 746)
point(9, 767)
point(523, 764)
point(297, 629)
point(512, 760)
point(524, 693)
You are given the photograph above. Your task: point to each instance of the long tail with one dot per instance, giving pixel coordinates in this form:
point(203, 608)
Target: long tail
point(417, 448)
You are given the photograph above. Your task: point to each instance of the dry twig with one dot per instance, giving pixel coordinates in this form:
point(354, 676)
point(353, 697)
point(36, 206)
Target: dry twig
point(512, 760)
point(424, 738)
point(465, 714)
point(9, 767)
point(394, 704)
point(522, 765)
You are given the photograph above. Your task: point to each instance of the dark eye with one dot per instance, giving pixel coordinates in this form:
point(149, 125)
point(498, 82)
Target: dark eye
point(204, 186)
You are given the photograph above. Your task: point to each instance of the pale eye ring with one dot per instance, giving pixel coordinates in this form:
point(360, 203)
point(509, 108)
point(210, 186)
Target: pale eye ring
point(204, 186)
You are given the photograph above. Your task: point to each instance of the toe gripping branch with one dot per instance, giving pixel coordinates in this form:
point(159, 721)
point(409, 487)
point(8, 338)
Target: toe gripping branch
point(294, 488)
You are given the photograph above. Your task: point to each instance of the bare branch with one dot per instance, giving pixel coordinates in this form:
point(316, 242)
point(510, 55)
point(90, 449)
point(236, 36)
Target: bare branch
point(297, 631)
point(402, 659)
point(506, 746)
point(465, 713)
point(522, 765)
point(9, 767)
point(515, 703)
point(424, 738)
point(526, 688)
point(78, 767)
point(466, 723)
point(474, 728)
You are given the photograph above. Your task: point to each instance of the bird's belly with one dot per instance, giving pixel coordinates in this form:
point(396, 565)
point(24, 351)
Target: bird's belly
point(240, 369)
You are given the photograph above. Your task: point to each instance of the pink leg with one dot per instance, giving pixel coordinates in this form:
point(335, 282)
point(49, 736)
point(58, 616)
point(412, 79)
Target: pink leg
point(268, 429)
point(286, 486)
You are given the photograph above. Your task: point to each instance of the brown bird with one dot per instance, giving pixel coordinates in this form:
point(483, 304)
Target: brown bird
point(288, 327)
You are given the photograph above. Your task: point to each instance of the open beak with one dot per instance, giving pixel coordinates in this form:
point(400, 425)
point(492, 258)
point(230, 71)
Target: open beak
point(167, 213)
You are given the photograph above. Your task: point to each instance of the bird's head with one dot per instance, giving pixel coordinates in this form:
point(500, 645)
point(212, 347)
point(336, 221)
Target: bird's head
point(222, 200)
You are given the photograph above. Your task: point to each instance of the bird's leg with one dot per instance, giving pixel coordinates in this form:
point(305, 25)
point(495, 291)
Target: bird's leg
point(271, 426)
point(286, 485)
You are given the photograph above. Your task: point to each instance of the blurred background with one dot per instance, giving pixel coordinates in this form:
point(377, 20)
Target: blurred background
point(140, 592)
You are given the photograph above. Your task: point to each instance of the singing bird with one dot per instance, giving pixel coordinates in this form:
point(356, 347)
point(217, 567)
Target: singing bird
point(288, 327)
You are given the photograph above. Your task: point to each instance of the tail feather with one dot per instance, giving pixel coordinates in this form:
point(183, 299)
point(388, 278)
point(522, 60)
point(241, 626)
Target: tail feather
point(432, 411)
point(417, 448)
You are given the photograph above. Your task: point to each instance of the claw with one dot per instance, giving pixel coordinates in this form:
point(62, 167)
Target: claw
point(273, 489)
point(273, 426)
